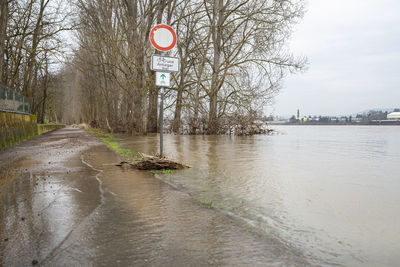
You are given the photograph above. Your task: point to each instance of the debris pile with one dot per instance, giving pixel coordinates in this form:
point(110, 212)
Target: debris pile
point(148, 162)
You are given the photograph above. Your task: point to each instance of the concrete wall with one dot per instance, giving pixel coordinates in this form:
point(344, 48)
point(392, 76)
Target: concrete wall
point(15, 128)
point(44, 128)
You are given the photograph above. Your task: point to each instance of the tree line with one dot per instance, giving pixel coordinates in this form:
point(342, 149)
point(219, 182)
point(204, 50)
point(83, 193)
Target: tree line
point(233, 56)
point(30, 45)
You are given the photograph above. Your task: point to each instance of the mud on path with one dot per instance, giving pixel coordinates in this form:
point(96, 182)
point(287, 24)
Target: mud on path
point(66, 205)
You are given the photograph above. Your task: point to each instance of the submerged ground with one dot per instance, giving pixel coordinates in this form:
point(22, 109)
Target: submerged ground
point(64, 203)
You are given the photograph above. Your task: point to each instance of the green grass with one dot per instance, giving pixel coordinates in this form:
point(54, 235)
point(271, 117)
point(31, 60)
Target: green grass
point(162, 171)
point(112, 143)
point(98, 133)
point(55, 124)
point(206, 203)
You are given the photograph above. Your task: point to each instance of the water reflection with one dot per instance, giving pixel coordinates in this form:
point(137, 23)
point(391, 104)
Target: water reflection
point(331, 191)
point(146, 221)
point(101, 215)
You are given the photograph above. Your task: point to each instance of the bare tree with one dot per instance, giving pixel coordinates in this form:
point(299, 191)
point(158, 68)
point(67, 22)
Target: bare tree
point(3, 33)
point(30, 45)
point(232, 57)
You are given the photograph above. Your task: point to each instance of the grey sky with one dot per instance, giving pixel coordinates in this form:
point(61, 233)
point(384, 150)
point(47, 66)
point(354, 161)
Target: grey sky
point(353, 48)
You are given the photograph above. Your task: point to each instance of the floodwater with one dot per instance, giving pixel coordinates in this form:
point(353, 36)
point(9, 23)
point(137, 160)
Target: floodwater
point(70, 206)
point(331, 193)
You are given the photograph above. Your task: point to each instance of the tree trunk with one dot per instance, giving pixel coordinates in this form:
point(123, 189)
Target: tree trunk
point(136, 51)
point(152, 123)
point(28, 74)
point(176, 125)
point(195, 121)
point(216, 37)
point(43, 104)
point(3, 33)
point(213, 119)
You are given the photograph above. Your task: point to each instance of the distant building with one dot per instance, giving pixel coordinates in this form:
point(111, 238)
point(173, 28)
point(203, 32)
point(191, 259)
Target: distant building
point(393, 116)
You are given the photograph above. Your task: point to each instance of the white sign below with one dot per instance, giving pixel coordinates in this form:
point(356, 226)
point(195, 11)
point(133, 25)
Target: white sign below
point(164, 64)
point(163, 79)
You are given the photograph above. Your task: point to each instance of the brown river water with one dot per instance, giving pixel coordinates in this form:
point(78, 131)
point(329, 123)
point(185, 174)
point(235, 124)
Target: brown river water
point(307, 196)
point(322, 194)
point(69, 205)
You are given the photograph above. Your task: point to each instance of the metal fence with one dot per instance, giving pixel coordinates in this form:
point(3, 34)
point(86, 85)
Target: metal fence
point(11, 100)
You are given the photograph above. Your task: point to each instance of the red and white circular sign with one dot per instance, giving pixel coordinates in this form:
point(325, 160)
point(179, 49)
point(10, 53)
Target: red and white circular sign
point(163, 37)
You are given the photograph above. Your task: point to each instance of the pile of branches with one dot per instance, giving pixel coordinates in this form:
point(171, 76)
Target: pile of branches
point(148, 162)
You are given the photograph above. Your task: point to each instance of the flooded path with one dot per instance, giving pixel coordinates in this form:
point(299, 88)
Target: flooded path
point(68, 205)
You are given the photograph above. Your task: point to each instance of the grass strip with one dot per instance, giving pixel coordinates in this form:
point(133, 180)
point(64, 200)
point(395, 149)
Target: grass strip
point(112, 143)
point(162, 171)
point(206, 203)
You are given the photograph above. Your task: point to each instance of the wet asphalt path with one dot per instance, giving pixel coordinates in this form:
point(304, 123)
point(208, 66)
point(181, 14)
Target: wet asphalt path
point(67, 205)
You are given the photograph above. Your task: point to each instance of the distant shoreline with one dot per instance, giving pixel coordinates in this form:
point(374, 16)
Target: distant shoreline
point(392, 123)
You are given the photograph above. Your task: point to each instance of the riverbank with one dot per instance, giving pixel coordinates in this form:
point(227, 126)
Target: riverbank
point(68, 205)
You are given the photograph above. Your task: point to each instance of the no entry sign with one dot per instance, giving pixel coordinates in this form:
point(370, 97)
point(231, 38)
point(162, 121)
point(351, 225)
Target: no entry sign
point(163, 37)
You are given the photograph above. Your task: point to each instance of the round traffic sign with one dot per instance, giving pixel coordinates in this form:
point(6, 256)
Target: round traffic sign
point(163, 37)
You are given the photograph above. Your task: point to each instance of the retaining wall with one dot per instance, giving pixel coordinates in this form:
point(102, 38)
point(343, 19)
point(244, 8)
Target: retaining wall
point(17, 127)
point(44, 128)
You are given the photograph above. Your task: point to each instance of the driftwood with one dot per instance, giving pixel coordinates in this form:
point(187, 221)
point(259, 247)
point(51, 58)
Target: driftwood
point(148, 162)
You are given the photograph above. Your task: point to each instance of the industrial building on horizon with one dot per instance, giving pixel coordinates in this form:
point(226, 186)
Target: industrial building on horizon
point(372, 117)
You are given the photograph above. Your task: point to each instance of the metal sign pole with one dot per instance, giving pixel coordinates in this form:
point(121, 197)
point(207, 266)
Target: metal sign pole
point(163, 38)
point(161, 121)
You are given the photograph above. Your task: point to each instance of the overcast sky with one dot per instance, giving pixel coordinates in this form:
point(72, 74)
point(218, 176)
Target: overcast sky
point(353, 49)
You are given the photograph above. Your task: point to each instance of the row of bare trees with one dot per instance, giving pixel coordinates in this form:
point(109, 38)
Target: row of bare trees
point(30, 46)
point(233, 56)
